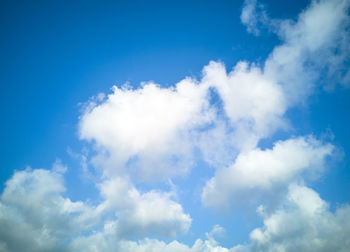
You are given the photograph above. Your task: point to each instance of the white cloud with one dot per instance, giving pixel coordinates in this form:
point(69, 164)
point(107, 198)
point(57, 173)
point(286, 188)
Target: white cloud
point(53, 223)
point(152, 131)
point(303, 223)
point(131, 121)
point(266, 170)
point(254, 105)
point(252, 15)
point(140, 214)
point(217, 230)
point(314, 49)
point(109, 241)
point(34, 216)
point(147, 126)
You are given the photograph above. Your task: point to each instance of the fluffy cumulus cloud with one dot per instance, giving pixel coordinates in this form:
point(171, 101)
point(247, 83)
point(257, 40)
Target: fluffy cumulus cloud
point(143, 126)
point(34, 216)
point(141, 214)
point(302, 223)
point(150, 134)
point(152, 131)
point(253, 104)
point(266, 170)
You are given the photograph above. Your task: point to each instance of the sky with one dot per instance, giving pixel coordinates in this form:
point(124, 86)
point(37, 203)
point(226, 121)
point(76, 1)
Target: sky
point(176, 126)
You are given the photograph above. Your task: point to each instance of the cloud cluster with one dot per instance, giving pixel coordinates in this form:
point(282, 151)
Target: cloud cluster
point(152, 133)
point(154, 130)
point(35, 216)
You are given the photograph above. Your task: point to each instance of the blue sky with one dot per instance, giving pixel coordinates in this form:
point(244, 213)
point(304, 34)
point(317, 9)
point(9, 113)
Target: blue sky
point(175, 126)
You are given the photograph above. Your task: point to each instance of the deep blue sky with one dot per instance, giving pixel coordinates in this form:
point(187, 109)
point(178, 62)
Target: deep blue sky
point(57, 54)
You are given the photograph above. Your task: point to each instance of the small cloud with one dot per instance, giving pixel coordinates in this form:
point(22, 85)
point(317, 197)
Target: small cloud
point(59, 167)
